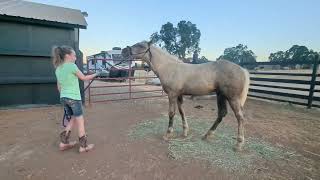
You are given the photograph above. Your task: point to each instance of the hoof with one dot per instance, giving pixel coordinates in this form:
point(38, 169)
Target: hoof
point(207, 136)
point(238, 148)
point(185, 133)
point(167, 136)
point(204, 138)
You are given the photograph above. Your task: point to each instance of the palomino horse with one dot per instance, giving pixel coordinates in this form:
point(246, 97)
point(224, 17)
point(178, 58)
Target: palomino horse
point(228, 80)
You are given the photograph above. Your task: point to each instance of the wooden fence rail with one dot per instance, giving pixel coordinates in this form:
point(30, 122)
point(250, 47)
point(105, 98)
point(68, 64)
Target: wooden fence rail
point(304, 90)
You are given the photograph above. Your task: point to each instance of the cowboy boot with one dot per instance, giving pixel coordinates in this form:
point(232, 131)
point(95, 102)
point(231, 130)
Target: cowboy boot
point(84, 147)
point(65, 144)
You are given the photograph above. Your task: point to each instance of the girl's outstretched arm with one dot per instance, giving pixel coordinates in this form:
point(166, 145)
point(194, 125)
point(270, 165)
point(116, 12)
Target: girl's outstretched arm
point(83, 77)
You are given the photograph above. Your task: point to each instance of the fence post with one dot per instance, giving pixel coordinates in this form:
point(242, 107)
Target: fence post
point(313, 80)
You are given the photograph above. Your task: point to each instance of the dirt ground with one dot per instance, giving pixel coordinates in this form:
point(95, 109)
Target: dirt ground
point(29, 143)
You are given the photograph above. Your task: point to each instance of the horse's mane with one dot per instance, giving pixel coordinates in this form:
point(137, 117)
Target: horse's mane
point(166, 53)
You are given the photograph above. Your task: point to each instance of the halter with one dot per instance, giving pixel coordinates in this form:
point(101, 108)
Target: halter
point(144, 53)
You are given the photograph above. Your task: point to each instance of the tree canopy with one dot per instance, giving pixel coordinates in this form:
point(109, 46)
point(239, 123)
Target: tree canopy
point(181, 40)
point(295, 53)
point(238, 54)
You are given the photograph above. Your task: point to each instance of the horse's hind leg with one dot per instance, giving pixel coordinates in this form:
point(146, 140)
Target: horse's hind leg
point(238, 111)
point(184, 121)
point(222, 112)
point(172, 112)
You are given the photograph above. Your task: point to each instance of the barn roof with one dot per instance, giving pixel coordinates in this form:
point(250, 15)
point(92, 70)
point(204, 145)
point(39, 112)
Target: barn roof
point(42, 12)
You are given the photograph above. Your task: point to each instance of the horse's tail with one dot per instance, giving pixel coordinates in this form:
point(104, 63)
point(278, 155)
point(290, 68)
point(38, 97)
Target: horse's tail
point(245, 89)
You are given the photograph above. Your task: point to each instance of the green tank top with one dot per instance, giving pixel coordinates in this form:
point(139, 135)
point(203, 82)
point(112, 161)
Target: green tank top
point(68, 80)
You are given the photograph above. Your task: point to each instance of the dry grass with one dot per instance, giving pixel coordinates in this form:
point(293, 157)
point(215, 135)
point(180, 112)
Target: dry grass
point(218, 151)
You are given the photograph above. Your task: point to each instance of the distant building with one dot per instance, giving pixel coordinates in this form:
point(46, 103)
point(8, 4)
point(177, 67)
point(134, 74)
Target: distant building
point(105, 59)
point(110, 62)
point(268, 67)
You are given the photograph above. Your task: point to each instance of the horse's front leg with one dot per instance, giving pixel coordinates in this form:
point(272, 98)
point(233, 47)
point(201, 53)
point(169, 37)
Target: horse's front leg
point(172, 112)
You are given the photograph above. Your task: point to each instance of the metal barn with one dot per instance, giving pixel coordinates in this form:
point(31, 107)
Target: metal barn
point(27, 33)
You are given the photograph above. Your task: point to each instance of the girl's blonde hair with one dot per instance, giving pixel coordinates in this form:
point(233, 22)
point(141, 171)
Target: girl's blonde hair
point(58, 53)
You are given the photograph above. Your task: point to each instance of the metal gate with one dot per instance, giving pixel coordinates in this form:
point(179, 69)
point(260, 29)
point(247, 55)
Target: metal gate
point(120, 82)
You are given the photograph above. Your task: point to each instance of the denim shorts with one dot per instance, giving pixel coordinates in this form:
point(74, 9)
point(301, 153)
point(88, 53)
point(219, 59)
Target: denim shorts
point(72, 107)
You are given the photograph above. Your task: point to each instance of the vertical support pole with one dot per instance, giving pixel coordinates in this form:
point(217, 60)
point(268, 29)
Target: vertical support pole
point(129, 76)
point(79, 63)
point(89, 92)
point(95, 64)
point(313, 80)
point(88, 61)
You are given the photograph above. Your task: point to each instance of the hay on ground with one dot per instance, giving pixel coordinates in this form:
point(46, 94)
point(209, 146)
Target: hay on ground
point(218, 151)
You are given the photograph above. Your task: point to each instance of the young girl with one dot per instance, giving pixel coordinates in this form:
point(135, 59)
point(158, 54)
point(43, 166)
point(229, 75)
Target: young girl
point(67, 74)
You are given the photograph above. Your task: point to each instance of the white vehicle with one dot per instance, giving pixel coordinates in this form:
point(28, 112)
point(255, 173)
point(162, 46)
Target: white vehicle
point(113, 66)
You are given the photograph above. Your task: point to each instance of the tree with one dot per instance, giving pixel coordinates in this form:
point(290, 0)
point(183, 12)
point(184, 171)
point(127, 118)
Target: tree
point(278, 56)
point(238, 54)
point(295, 53)
point(312, 55)
point(181, 40)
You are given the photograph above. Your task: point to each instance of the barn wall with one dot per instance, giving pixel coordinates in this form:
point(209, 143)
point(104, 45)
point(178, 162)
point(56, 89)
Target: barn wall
point(26, 72)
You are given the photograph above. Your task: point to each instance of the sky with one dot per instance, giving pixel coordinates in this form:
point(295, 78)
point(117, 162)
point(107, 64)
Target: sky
point(265, 26)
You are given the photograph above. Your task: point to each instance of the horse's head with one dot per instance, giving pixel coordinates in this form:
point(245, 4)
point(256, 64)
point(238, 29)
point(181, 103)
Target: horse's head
point(139, 50)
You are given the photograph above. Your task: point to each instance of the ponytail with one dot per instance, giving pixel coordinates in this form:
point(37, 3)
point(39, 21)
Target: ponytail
point(58, 53)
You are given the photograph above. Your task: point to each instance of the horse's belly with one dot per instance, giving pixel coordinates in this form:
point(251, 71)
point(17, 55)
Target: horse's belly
point(198, 89)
